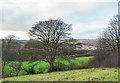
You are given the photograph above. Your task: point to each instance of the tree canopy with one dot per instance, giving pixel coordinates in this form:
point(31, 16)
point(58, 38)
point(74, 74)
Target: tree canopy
point(50, 35)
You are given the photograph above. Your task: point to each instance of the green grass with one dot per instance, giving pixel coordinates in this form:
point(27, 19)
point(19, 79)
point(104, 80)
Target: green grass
point(82, 60)
point(93, 74)
point(43, 67)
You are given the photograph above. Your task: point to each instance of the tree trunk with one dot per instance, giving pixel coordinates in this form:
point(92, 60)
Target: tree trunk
point(118, 54)
point(52, 64)
point(51, 69)
point(3, 67)
point(17, 74)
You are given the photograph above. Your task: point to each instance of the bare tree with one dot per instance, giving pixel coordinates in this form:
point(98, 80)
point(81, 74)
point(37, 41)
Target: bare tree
point(31, 50)
point(50, 33)
point(10, 48)
point(112, 35)
point(109, 45)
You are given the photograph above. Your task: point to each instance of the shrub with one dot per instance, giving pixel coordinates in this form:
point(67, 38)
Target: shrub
point(41, 67)
point(73, 65)
point(59, 66)
point(29, 68)
point(12, 69)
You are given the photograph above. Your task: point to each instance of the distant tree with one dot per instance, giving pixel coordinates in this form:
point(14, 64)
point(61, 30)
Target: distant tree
point(32, 50)
point(108, 48)
point(112, 35)
point(11, 49)
point(50, 33)
point(112, 38)
point(9, 46)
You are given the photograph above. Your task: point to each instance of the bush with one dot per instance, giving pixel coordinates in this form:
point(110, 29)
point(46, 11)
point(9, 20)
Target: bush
point(29, 68)
point(81, 52)
point(73, 65)
point(37, 67)
point(13, 69)
point(41, 67)
point(104, 60)
point(59, 66)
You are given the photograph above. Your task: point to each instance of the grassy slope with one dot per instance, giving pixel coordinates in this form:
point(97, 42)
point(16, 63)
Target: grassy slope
point(94, 74)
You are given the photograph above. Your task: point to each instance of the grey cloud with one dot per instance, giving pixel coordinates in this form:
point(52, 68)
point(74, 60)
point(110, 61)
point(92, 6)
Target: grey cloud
point(11, 27)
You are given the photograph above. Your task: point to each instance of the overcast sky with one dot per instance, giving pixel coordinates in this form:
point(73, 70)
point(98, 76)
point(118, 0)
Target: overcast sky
point(88, 17)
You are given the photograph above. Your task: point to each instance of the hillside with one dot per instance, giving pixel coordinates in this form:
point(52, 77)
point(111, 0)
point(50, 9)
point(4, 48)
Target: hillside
point(87, 44)
point(93, 74)
point(92, 42)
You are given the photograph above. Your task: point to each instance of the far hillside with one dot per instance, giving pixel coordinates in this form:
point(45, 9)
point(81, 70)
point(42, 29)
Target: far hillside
point(87, 44)
point(92, 42)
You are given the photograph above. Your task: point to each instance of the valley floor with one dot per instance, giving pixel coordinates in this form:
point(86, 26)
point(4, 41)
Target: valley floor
point(93, 74)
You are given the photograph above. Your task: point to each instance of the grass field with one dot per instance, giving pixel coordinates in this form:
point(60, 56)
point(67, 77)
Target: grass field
point(43, 67)
point(93, 74)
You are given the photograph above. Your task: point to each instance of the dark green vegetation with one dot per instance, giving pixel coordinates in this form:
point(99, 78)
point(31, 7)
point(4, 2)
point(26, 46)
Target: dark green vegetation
point(93, 74)
point(43, 67)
